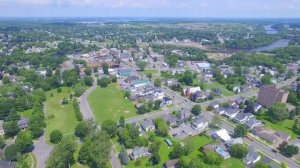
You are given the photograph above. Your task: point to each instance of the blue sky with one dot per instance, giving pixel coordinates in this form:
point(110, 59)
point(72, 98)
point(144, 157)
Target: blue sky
point(150, 8)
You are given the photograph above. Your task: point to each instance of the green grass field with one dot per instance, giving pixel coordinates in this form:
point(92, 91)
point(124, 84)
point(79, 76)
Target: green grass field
point(232, 163)
point(197, 142)
point(108, 103)
point(223, 88)
point(285, 126)
point(64, 116)
point(152, 72)
point(26, 113)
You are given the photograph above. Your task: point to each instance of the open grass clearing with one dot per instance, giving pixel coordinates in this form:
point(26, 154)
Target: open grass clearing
point(58, 116)
point(109, 103)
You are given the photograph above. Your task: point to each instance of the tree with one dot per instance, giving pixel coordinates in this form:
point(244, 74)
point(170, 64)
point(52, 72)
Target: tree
point(278, 112)
point(260, 165)
point(289, 150)
point(62, 154)
point(122, 121)
point(266, 79)
point(105, 67)
point(249, 108)
point(11, 128)
point(24, 141)
point(141, 65)
point(293, 99)
point(88, 71)
point(114, 79)
point(187, 78)
point(88, 80)
point(127, 94)
point(238, 151)
point(103, 82)
point(162, 128)
point(11, 152)
point(180, 150)
point(84, 128)
point(2, 142)
point(157, 105)
point(212, 158)
point(196, 110)
point(110, 127)
point(284, 165)
point(240, 131)
point(95, 151)
point(56, 136)
point(157, 82)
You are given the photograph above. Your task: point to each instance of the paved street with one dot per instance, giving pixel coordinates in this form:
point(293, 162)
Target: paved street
point(41, 151)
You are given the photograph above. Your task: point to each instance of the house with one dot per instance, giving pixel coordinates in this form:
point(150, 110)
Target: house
point(257, 107)
point(234, 141)
point(236, 89)
point(203, 65)
point(166, 101)
point(170, 82)
point(170, 119)
point(198, 96)
point(257, 130)
point(23, 123)
point(125, 72)
point(1, 127)
point(216, 91)
point(172, 163)
point(199, 124)
point(148, 125)
point(268, 95)
point(241, 118)
point(138, 126)
point(220, 110)
point(188, 91)
point(222, 152)
point(231, 112)
point(140, 83)
point(138, 152)
point(268, 137)
point(221, 134)
point(208, 73)
point(252, 122)
point(241, 100)
point(130, 79)
point(283, 135)
point(183, 115)
point(252, 157)
point(215, 104)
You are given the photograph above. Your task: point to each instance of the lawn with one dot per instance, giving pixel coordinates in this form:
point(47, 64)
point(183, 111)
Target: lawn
point(60, 117)
point(285, 126)
point(198, 141)
point(152, 72)
point(31, 160)
point(108, 103)
point(232, 163)
point(223, 88)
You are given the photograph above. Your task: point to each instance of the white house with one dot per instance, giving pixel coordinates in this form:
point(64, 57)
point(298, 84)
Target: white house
point(199, 124)
point(203, 65)
point(222, 134)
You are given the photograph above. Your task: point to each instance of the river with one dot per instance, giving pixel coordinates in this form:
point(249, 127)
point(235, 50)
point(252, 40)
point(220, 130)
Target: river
point(277, 44)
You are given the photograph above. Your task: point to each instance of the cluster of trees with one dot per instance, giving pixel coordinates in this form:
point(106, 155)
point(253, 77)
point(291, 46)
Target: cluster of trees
point(129, 137)
point(278, 112)
point(180, 150)
point(149, 106)
point(78, 114)
point(288, 150)
point(161, 127)
point(105, 81)
point(257, 41)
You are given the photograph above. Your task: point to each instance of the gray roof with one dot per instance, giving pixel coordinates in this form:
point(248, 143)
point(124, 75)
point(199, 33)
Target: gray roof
point(23, 121)
point(139, 151)
point(170, 119)
point(267, 137)
point(252, 155)
point(198, 121)
point(147, 123)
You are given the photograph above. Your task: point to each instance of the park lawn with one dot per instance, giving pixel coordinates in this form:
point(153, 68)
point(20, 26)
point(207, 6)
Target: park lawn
point(64, 116)
point(232, 163)
point(285, 126)
point(109, 103)
point(223, 88)
point(31, 160)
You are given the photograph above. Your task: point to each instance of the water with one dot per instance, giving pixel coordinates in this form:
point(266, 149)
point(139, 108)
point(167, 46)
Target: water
point(270, 30)
point(277, 44)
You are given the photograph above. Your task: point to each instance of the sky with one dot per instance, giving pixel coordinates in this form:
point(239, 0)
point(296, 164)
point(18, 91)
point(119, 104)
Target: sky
point(151, 8)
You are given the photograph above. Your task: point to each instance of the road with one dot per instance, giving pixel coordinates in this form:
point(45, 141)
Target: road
point(88, 114)
point(41, 151)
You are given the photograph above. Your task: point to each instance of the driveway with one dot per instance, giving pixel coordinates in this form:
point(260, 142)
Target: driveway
point(41, 151)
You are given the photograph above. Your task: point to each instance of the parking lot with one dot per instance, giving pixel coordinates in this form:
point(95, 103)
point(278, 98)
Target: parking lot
point(182, 131)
